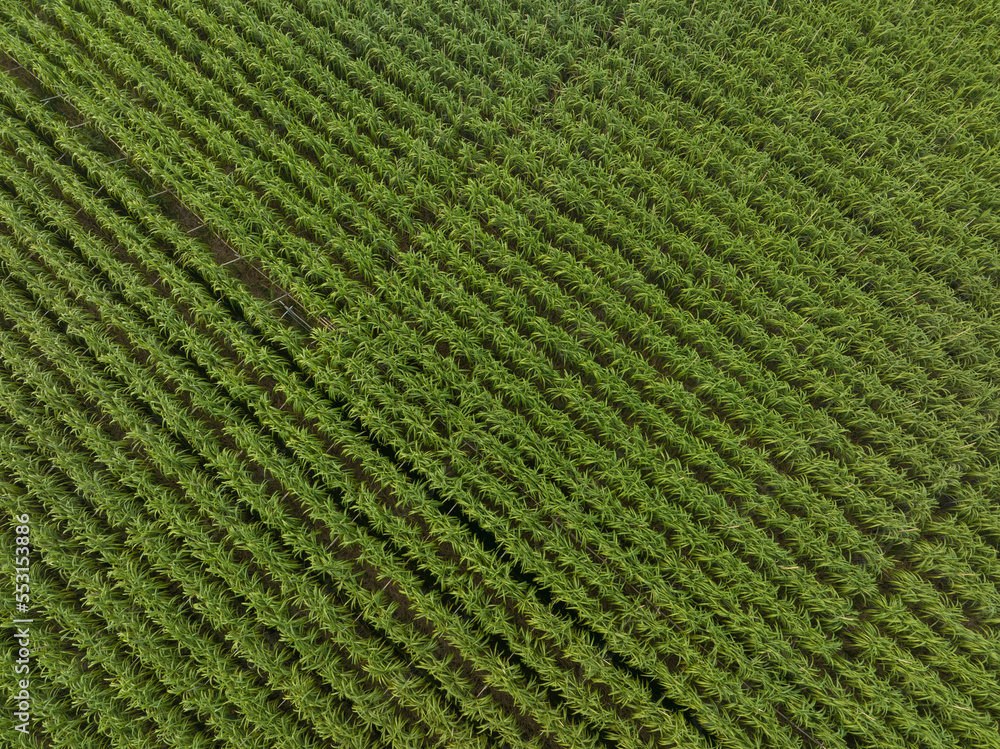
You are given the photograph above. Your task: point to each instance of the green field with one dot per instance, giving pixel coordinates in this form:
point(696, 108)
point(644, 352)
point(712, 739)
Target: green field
point(576, 374)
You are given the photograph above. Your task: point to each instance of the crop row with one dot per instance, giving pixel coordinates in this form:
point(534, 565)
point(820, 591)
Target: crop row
point(537, 292)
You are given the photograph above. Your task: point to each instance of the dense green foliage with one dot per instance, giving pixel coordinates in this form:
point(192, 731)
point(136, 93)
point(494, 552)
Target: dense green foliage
point(590, 374)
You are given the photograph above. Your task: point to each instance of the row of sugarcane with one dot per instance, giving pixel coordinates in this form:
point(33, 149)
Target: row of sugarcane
point(177, 520)
point(104, 692)
point(652, 23)
point(959, 442)
point(808, 138)
point(810, 304)
point(140, 484)
point(191, 432)
point(169, 328)
point(800, 416)
point(963, 443)
point(183, 527)
point(537, 407)
point(822, 49)
point(383, 200)
point(271, 463)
